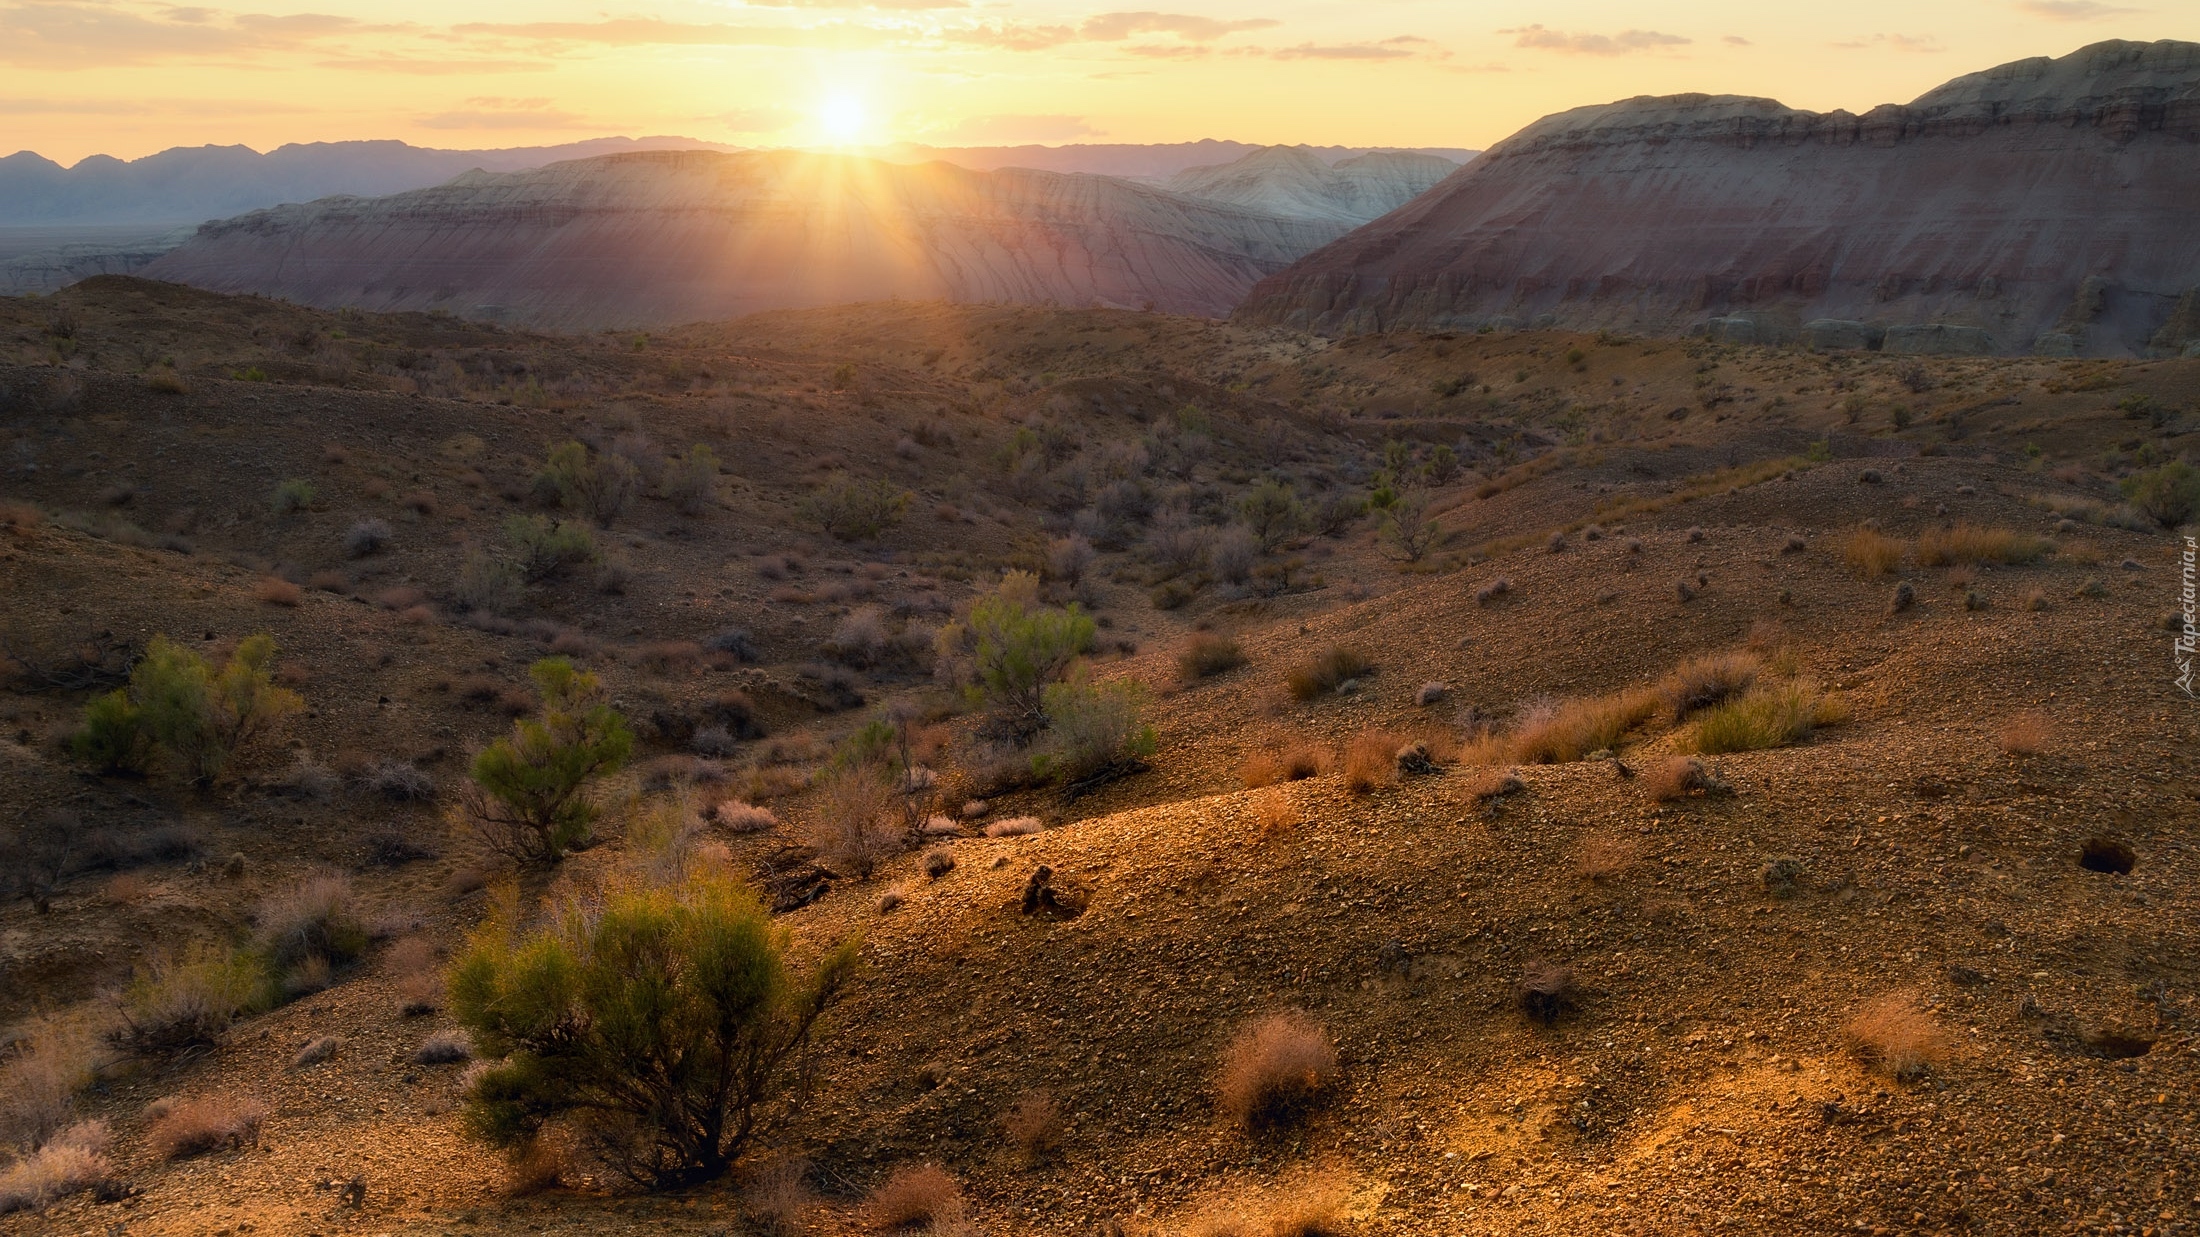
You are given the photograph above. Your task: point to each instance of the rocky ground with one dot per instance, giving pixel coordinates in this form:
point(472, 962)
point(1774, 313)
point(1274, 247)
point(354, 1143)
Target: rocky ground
point(1704, 1078)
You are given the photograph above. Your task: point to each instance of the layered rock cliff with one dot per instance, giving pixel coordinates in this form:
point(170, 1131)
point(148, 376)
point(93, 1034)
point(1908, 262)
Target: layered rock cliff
point(1295, 181)
point(656, 238)
point(2044, 205)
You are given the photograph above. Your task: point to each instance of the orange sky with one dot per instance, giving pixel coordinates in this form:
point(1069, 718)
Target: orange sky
point(128, 77)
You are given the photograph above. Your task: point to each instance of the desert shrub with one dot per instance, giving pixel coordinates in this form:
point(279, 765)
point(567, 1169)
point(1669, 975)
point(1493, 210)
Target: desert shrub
point(1432, 692)
point(1275, 1069)
point(1407, 531)
point(1018, 647)
point(1335, 513)
point(1871, 552)
point(71, 1161)
point(2168, 494)
point(851, 510)
point(2025, 734)
point(1682, 777)
point(208, 1123)
point(543, 548)
point(317, 1050)
point(444, 1048)
point(1015, 827)
point(597, 486)
point(399, 782)
point(691, 481)
point(1208, 654)
point(1782, 876)
point(1068, 558)
point(857, 823)
point(734, 642)
point(294, 495)
point(1333, 668)
point(530, 797)
point(778, 1198)
point(1232, 554)
point(915, 1194)
point(179, 705)
point(276, 591)
point(490, 584)
point(1033, 1125)
point(39, 1079)
point(1093, 730)
point(313, 919)
point(660, 1024)
point(1272, 514)
point(1893, 1035)
point(185, 1001)
point(1546, 991)
point(1701, 682)
point(861, 638)
point(1773, 715)
point(365, 537)
point(1370, 761)
point(738, 817)
point(1558, 733)
point(1970, 543)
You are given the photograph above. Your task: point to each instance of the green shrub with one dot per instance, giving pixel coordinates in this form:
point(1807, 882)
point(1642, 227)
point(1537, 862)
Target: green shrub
point(2168, 495)
point(851, 510)
point(1442, 466)
point(1093, 731)
point(179, 705)
point(1272, 513)
point(1020, 646)
point(294, 495)
point(659, 1025)
point(176, 1003)
point(1407, 530)
point(692, 480)
point(543, 548)
point(530, 799)
point(598, 486)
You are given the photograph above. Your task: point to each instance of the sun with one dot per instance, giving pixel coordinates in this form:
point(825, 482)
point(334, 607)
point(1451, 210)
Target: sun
point(842, 118)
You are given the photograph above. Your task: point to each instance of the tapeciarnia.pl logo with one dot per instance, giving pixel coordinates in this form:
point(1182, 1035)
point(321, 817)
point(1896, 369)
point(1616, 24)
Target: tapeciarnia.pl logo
point(2188, 637)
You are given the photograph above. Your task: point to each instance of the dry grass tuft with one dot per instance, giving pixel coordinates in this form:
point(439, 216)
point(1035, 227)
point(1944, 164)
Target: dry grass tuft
point(209, 1123)
point(1275, 1069)
point(1015, 827)
point(73, 1160)
point(276, 591)
point(1701, 682)
point(779, 1198)
point(1033, 1125)
point(1328, 672)
point(1559, 733)
point(1970, 543)
point(1293, 764)
point(915, 1194)
point(1871, 552)
point(1605, 856)
point(1208, 654)
point(1770, 716)
point(1895, 1036)
point(1492, 782)
point(1370, 761)
point(2026, 734)
point(1275, 813)
point(1683, 777)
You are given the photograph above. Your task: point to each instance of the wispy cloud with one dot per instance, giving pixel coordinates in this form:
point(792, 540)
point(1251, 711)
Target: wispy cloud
point(1403, 47)
point(1894, 42)
point(494, 112)
point(1115, 27)
point(651, 31)
point(903, 5)
point(1735, 40)
point(2071, 10)
point(1542, 39)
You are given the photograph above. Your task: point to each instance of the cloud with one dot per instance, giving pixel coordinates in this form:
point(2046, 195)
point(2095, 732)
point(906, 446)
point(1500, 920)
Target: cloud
point(1012, 129)
point(1735, 40)
point(1404, 47)
point(428, 66)
point(2071, 10)
point(858, 4)
point(492, 112)
point(1536, 36)
point(1012, 37)
point(651, 31)
point(1895, 42)
point(152, 107)
point(1115, 27)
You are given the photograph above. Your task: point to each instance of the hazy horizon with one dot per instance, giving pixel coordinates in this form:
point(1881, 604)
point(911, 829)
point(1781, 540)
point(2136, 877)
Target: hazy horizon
point(127, 78)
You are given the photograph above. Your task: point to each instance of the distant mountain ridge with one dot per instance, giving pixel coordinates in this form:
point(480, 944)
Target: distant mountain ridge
point(1297, 181)
point(2046, 206)
point(1158, 162)
point(657, 238)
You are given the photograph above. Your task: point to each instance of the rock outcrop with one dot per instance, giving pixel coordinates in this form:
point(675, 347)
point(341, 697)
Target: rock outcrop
point(1295, 181)
point(657, 238)
point(2044, 202)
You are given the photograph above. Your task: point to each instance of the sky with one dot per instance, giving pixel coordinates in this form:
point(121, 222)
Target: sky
point(130, 77)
